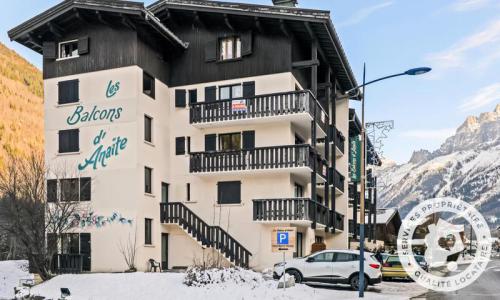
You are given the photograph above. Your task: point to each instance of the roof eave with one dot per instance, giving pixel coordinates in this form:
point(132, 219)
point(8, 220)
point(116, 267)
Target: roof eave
point(130, 8)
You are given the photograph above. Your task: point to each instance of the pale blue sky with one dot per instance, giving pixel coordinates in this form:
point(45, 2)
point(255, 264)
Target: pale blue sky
point(459, 39)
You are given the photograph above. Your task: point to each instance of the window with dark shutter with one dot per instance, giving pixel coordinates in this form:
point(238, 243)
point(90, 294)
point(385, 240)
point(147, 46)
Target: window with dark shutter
point(193, 96)
point(180, 145)
point(188, 191)
point(52, 190)
point(69, 141)
point(148, 176)
point(148, 231)
point(83, 45)
point(211, 51)
point(246, 43)
point(148, 85)
point(248, 89)
point(210, 94)
point(68, 91)
point(49, 50)
point(85, 189)
point(229, 192)
point(248, 140)
point(180, 98)
point(211, 142)
point(188, 144)
point(148, 124)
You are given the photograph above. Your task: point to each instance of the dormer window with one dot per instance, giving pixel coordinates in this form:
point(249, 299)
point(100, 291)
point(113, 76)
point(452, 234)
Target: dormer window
point(230, 48)
point(68, 49)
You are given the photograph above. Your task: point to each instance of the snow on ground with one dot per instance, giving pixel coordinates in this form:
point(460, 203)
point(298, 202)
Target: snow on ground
point(168, 286)
point(11, 272)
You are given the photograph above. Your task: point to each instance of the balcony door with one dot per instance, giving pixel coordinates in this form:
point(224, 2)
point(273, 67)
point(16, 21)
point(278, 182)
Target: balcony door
point(230, 141)
point(85, 251)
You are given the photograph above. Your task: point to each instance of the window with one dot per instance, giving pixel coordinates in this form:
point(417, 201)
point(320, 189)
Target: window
point(71, 189)
point(188, 191)
point(230, 48)
point(164, 192)
point(188, 144)
point(148, 231)
point(298, 191)
point(230, 92)
point(345, 257)
point(193, 96)
point(180, 98)
point(68, 91)
point(68, 49)
point(324, 257)
point(69, 141)
point(148, 124)
point(229, 192)
point(148, 85)
point(70, 243)
point(230, 142)
point(148, 174)
point(180, 145)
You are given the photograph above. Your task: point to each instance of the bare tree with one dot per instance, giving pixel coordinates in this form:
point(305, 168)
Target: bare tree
point(27, 216)
point(129, 250)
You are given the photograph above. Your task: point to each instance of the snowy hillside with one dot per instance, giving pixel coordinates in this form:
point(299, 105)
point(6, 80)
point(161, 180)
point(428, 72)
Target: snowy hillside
point(466, 166)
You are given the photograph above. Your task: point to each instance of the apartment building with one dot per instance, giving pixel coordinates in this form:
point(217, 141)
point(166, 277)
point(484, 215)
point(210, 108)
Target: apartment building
point(192, 128)
point(354, 189)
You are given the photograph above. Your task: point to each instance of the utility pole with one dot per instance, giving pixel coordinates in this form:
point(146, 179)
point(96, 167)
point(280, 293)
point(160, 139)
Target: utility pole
point(361, 279)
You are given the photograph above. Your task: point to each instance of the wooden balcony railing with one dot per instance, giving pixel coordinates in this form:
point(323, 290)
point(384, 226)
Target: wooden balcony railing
point(289, 209)
point(275, 157)
point(338, 179)
point(67, 263)
point(259, 106)
point(339, 220)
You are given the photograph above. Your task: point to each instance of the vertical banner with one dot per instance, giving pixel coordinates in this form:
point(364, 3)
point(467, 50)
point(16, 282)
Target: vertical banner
point(355, 159)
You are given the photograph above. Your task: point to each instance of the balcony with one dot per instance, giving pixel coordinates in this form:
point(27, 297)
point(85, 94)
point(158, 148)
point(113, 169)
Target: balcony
point(338, 181)
point(291, 158)
point(299, 107)
point(339, 142)
point(67, 263)
point(339, 220)
point(298, 211)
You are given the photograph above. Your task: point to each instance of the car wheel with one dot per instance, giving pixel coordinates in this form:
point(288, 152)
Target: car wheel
point(296, 275)
point(354, 282)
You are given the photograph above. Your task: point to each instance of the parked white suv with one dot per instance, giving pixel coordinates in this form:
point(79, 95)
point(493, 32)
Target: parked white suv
point(332, 266)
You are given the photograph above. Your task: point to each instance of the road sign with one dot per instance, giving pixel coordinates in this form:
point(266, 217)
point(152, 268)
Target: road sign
point(283, 239)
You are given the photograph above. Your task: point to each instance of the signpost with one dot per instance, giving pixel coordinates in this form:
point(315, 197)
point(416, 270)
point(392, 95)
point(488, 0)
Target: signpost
point(283, 240)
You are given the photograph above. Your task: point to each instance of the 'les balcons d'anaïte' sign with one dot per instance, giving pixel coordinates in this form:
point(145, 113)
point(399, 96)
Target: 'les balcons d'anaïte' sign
point(101, 154)
point(110, 114)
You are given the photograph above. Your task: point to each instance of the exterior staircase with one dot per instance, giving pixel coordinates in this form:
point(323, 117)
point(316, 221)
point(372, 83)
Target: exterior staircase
point(207, 235)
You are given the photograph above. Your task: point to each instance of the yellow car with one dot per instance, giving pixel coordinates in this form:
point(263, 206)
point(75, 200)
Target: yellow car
point(392, 267)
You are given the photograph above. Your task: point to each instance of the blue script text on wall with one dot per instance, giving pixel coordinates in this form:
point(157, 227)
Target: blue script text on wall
point(101, 154)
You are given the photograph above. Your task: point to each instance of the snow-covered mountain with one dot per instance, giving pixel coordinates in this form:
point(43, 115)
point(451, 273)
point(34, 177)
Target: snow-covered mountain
point(466, 166)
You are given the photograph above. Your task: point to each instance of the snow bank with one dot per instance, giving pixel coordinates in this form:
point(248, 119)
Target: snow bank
point(133, 286)
point(196, 276)
point(11, 273)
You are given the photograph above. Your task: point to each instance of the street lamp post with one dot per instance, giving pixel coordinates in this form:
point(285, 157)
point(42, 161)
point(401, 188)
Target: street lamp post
point(412, 72)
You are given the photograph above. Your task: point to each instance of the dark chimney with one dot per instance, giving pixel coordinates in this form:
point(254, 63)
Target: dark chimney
point(289, 3)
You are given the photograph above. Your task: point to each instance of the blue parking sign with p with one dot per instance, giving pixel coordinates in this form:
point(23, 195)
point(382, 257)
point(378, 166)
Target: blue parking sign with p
point(282, 238)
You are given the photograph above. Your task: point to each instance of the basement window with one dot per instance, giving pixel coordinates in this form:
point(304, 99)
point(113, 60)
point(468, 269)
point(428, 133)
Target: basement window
point(230, 48)
point(68, 49)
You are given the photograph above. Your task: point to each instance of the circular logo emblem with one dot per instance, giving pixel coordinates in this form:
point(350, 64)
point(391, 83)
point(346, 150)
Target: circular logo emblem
point(429, 230)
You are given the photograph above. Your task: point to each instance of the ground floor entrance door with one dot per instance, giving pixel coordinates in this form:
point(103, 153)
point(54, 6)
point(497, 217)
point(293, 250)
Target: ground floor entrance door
point(164, 251)
point(85, 251)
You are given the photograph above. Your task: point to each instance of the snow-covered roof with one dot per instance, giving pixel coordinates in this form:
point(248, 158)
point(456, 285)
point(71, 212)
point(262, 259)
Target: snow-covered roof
point(384, 215)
